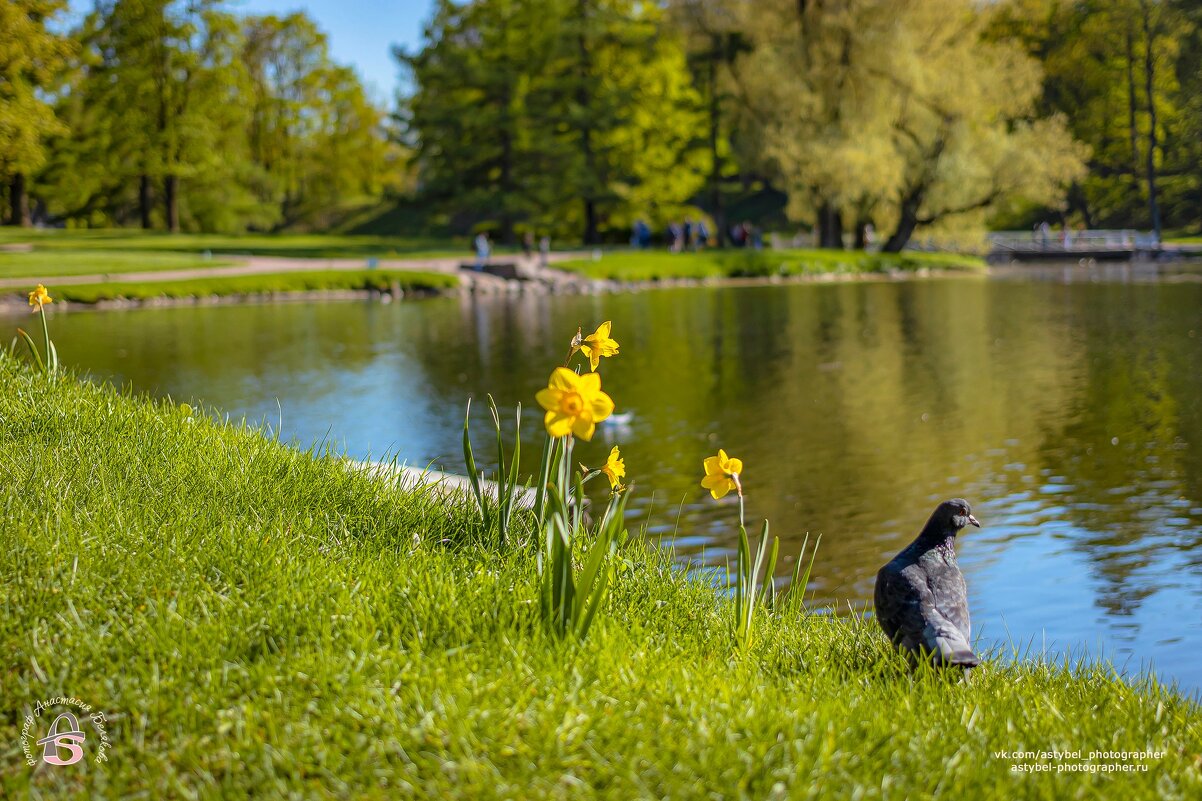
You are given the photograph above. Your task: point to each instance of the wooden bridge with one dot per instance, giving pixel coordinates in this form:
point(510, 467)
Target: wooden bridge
point(1055, 245)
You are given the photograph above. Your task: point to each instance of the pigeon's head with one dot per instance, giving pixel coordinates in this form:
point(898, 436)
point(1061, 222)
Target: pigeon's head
point(956, 514)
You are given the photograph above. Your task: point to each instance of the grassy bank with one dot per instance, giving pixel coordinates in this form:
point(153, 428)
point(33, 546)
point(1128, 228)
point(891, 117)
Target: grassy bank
point(641, 265)
point(43, 264)
point(301, 246)
point(257, 621)
point(315, 281)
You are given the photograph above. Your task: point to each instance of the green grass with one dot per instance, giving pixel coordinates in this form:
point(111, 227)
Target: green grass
point(637, 265)
point(260, 622)
point(306, 246)
point(379, 280)
point(43, 264)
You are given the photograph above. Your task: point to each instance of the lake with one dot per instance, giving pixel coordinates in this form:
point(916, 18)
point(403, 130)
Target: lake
point(1068, 414)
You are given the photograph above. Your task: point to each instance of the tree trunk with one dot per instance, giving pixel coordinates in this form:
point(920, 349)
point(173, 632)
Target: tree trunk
point(830, 228)
point(18, 199)
point(716, 208)
point(906, 223)
point(1132, 127)
point(171, 199)
point(144, 201)
point(861, 239)
point(585, 102)
point(1149, 80)
point(590, 221)
point(1079, 201)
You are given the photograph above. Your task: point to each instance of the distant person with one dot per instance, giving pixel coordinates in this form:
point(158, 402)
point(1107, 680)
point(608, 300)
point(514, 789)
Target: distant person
point(528, 245)
point(675, 236)
point(703, 235)
point(738, 237)
point(687, 235)
point(869, 235)
point(483, 249)
point(544, 251)
point(640, 237)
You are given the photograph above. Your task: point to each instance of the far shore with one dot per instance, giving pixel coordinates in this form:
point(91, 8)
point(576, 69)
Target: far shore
point(545, 282)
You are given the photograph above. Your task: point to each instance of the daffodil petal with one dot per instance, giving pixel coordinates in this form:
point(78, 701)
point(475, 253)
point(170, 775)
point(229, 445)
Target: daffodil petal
point(734, 466)
point(603, 330)
point(558, 424)
point(583, 428)
point(712, 465)
point(548, 398)
point(564, 380)
point(602, 406)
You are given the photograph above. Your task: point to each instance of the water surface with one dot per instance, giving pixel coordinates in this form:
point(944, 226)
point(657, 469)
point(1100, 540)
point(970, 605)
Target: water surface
point(1070, 416)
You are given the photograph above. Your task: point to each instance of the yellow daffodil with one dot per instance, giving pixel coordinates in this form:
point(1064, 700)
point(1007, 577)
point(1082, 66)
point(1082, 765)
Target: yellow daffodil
point(721, 474)
point(596, 344)
point(574, 403)
point(39, 298)
point(614, 469)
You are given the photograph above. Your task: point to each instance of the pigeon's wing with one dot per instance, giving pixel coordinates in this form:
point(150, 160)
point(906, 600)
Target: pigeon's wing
point(907, 612)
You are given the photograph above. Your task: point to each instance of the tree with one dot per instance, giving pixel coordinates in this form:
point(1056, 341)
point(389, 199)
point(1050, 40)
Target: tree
point(712, 42)
point(1119, 71)
point(314, 133)
point(32, 60)
point(564, 114)
point(903, 113)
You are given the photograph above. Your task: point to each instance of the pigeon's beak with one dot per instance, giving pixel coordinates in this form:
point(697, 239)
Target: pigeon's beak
point(974, 521)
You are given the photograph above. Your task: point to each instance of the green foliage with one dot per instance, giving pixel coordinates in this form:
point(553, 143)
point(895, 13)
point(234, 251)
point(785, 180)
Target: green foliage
point(184, 116)
point(564, 115)
point(33, 58)
point(260, 622)
point(902, 115)
point(1110, 68)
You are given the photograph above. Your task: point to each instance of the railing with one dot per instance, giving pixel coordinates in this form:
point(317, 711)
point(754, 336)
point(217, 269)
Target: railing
point(1071, 241)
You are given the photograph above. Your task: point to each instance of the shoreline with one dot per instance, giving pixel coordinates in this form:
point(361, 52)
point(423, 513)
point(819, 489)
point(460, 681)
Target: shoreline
point(548, 282)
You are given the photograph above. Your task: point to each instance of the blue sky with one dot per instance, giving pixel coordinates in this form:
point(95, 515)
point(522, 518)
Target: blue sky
point(361, 32)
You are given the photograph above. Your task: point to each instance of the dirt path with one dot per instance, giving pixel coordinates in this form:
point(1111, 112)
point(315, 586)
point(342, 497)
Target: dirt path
point(275, 265)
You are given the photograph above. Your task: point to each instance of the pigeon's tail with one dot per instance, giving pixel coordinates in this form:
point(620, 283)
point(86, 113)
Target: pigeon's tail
point(963, 659)
point(948, 645)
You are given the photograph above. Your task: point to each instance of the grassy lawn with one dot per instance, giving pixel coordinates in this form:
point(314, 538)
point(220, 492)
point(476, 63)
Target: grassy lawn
point(301, 246)
point(380, 280)
point(260, 622)
point(638, 265)
point(42, 264)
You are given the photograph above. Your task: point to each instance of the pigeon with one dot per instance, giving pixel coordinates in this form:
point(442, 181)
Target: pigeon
point(921, 598)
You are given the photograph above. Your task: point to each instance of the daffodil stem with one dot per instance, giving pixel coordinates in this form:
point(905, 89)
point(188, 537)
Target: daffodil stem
point(739, 488)
point(50, 364)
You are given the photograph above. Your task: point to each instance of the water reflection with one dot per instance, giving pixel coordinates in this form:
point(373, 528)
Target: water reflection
point(1069, 414)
